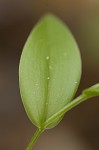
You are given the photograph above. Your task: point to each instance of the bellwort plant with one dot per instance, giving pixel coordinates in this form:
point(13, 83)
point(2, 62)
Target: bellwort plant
point(49, 75)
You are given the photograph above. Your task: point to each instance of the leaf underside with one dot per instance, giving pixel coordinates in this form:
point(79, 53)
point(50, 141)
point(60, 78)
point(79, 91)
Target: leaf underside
point(49, 71)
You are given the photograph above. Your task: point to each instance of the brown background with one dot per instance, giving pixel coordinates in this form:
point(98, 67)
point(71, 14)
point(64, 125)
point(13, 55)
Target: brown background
point(79, 129)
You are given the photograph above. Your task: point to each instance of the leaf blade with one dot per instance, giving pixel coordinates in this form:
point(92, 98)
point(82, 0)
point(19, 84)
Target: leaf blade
point(90, 92)
point(50, 69)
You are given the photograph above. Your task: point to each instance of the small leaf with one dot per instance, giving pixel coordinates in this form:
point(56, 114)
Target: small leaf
point(49, 71)
point(92, 91)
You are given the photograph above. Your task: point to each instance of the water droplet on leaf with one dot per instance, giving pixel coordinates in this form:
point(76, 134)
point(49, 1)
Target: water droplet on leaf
point(47, 57)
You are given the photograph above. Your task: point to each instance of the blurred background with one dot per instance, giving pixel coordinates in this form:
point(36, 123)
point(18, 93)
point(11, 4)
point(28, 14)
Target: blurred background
point(79, 129)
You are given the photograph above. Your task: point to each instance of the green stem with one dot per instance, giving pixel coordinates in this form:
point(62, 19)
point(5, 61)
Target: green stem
point(86, 94)
point(34, 139)
point(72, 104)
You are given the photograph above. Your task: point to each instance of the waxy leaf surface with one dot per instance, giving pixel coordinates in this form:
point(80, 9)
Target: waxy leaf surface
point(50, 70)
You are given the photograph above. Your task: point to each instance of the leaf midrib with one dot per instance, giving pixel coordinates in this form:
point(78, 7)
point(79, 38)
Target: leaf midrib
point(47, 81)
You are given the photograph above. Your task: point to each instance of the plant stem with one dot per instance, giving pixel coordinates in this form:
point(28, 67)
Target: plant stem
point(72, 104)
point(34, 139)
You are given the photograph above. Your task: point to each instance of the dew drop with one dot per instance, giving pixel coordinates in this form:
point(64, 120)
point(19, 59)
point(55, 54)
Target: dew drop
point(75, 82)
point(47, 57)
point(48, 78)
point(65, 54)
point(50, 67)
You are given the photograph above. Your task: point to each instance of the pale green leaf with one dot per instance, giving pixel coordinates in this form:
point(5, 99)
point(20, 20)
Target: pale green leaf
point(86, 94)
point(50, 70)
point(92, 91)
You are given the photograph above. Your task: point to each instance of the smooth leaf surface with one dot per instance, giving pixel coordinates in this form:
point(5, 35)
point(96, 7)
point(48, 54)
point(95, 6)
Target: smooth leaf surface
point(92, 91)
point(86, 94)
point(49, 71)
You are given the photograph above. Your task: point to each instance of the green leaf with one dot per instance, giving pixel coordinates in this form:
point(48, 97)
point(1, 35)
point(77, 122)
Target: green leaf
point(49, 71)
point(86, 94)
point(92, 91)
